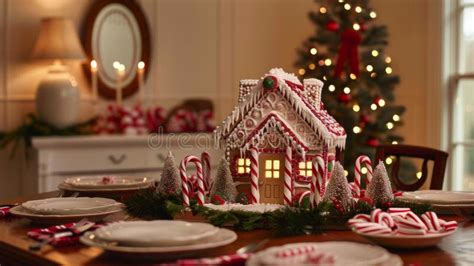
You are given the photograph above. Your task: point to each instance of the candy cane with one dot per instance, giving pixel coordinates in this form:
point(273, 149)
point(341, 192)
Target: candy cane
point(185, 180)
point(288, 188)
point(206, 168)
point(301, 198)
point(317, 182)
point(360, 160)
point(255, 193)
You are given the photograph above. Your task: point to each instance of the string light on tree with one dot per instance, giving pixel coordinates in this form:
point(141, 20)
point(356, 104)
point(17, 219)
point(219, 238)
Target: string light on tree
point(375, 53)
point(346, 173)
point(301, 71)
point(321, 62)
point(388, 161)
point(369, 68)
point(396, 118)
point(373, 75)
point(327, 62)
point(358, 9)
point(352, 76)
point(332, 88)
point(312, 66)
point(322, 10)
point(356, 108)
point(381, 102)
point(373, 107)
point(372, 14)
point(363, 170)
point(388, 60)
point(347, 7)
point(356, 129)
point(389, 125)
point(347, 90)
point(388, 70)
point(313, 51)
point(394, 142)
point(356, 26)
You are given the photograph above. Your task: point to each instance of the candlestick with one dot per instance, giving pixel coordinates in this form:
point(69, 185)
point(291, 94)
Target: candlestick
point(120, 69)
point(141, 89)
point(94, 80)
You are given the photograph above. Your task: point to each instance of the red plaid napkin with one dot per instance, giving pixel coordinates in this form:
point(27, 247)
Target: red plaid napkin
point(5, 210)
point(228, 260)
point(44, 233)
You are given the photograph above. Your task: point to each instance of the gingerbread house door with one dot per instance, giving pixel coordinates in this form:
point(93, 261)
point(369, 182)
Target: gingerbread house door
point(271, 178)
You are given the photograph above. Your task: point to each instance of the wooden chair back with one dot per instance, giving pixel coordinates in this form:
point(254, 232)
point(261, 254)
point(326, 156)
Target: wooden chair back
point(427, 154)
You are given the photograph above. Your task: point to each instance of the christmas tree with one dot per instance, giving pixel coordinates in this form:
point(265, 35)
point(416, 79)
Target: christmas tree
point(379, 188)
point(224, 186)
point(338, 188)
point(170, 182)
point(347, 52)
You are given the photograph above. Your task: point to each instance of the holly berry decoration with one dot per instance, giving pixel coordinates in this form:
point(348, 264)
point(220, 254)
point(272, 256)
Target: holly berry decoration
point(344, 98)
point(372, 142)
point(270, 82)
point(332, 26)
point(217, 200)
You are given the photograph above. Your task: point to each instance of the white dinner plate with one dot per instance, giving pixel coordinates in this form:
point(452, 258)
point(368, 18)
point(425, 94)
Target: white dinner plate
point(343, 253)
point(221, 238)
point(407, 241)
point(62, 206)
point(115, 181)
point(64, 186)
point(440, 197)
point(155, 233)
point(21, 212)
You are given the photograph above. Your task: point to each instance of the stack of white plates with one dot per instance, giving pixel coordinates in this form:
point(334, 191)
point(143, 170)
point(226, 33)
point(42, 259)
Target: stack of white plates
point(162, 239)
point(56, 210)
point(446, 202)
point(105, 183)
point(325, 253)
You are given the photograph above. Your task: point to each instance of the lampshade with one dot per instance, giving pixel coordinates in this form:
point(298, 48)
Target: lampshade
point(58, 40)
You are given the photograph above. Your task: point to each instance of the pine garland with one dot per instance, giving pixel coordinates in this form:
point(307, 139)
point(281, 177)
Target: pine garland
point(152, 205)
point(287, 221)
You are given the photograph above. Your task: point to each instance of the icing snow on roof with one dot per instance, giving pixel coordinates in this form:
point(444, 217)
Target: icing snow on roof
point(291, 89)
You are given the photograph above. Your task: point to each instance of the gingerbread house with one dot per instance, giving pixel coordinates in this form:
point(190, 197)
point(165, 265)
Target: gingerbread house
point(278, 126)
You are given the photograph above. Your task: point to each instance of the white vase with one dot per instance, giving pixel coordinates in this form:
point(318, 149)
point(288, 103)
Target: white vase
point(58, 99)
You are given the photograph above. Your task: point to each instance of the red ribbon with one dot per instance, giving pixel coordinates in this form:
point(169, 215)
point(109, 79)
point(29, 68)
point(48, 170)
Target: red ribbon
point(350, 40)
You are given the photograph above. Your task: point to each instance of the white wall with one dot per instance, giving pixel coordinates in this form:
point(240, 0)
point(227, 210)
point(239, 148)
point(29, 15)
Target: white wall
point(201, 48)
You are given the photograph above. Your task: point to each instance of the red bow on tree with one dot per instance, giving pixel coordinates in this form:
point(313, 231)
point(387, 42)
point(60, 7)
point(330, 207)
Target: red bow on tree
point(350, 40)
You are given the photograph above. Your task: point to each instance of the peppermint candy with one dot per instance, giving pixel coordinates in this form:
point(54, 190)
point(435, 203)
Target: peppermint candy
point(400, 221)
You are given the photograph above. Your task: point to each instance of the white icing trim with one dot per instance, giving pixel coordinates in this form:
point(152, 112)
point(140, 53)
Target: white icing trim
point(296, 102)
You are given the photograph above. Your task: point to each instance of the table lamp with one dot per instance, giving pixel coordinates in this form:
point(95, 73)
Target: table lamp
point(58, 96)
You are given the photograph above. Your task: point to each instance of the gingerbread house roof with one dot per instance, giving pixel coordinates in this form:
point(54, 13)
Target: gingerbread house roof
point(290, 88)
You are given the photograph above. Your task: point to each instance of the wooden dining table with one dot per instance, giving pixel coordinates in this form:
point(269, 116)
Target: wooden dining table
point(457, 249)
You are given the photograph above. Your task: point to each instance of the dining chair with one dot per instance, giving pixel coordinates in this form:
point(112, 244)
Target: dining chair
point(427, 154)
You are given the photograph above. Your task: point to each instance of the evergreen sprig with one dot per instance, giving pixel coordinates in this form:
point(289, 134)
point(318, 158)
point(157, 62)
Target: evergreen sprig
point(288, 221)
point(152, 205)
point(34, 127)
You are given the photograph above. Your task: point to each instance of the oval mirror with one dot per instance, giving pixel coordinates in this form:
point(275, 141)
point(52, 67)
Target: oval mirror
point(117, 32)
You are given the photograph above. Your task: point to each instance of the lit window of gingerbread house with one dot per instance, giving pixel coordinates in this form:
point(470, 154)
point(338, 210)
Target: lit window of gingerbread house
point(278, 126)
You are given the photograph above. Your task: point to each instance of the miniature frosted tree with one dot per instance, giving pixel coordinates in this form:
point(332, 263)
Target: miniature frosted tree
point(338, 188)
point(170, 182)
point(379, 188)
point(223, 184)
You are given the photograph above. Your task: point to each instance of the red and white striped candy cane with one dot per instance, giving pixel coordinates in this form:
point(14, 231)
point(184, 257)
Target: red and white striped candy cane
point(206, 168)
point(303, 194)
point(185, 183)
point(254, 191)
point(331, 161)
point(288, 188)
point(357, 170)
point(318, 180)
